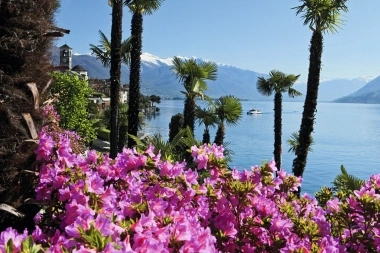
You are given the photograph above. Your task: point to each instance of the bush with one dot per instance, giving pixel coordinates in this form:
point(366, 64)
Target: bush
point(140, 203)
point(103, 134)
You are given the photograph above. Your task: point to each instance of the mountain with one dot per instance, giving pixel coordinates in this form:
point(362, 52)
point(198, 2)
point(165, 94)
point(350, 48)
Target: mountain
point(157, 78)
point(369, 93)
point(332, 89)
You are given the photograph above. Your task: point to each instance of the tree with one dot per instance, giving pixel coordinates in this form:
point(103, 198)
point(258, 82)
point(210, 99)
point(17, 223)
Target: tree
point(115, 72)
point(321, 16)
point(175, 125)
point(207, 117)
point(70, 93)
point(138, 9)
point(103, 53)
point(27, 31)
point(193, 76)
point(277, 83)
point(229, 111)
point(155, 99)
point(103, 50)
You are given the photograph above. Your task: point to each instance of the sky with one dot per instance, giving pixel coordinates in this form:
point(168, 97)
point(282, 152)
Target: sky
point(258, 35)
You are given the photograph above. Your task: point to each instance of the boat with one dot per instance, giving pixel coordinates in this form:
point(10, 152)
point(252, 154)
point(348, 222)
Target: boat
point(254, 111)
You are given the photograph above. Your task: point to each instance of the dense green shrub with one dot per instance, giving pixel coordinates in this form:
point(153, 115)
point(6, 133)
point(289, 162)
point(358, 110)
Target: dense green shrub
point(103, 134)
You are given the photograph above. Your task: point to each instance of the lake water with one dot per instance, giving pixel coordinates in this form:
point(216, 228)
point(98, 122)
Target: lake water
point(347, 134)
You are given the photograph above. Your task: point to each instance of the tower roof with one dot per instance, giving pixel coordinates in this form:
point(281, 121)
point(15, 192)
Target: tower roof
point(65, 46)
point(78, 68)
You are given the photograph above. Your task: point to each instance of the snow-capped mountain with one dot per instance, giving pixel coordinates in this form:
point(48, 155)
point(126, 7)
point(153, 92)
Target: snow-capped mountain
point(158, 78)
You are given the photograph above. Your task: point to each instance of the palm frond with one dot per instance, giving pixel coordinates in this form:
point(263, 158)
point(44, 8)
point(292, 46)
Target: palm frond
point(144, 7)
point(228, 109)
point(322, 15)
point(264, 87)
point(346, 182)
point(293, 143)
point(125, 50)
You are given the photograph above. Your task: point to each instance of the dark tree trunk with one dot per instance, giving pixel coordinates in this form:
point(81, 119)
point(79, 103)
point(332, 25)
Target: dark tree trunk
point(219, 137)
point(206, 136)
point(123, 130)
point(189, 114)
point(277, 129)
point(116, 34)
point(310, 106)
point(134, 76)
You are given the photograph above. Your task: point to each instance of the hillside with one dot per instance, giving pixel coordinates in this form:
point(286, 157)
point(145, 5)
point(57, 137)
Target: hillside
point(157, 78)
point(369, 94)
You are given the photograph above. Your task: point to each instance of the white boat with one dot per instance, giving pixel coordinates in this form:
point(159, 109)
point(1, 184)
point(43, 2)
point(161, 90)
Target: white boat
point(254, 111)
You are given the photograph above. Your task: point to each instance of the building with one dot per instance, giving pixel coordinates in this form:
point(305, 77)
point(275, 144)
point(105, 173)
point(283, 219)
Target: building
point(65, 62)
point(104, 86)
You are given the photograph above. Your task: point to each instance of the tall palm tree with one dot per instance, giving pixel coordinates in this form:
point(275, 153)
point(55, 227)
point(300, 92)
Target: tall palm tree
point(193, 76)
point(115, 71)
point(103, 50)
point(138, 9)
point(322, 16)
point(277, 83)
point(229, 111)
point(207, 117)
point(103, 53)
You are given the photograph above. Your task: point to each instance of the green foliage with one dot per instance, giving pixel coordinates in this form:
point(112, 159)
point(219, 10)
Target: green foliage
point(155, 99)
point(103, 134)
point(322, 15)
point(277, 82)
point(144, 7)
point(93, 109)
point(175, 125)
point(178, 149)
point(228, 110)
point(102, 52)
point(94, 238)
point(28, 246)
point(346, 182)
point(70, 94)
point(294, 142)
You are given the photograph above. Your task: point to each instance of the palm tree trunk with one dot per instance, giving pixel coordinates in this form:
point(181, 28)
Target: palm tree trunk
point(123, 130)
point(134, 76)
point(310, 107)
point(219, 137)
point(116, 34)
point(206, 136)
point(277, 129)
point(189, 114)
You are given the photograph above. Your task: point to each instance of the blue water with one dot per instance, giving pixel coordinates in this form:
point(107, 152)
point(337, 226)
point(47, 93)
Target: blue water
point(347, 134)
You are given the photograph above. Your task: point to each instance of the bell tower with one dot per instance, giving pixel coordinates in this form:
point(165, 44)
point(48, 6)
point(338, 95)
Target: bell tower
point(65, 57)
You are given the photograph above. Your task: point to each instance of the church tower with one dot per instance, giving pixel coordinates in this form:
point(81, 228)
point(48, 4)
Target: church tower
point(65, 57)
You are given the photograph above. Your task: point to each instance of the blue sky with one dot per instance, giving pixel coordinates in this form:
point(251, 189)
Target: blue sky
point(258, 35)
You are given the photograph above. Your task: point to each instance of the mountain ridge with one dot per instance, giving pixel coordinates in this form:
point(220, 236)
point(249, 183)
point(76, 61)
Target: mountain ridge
point(157, 78)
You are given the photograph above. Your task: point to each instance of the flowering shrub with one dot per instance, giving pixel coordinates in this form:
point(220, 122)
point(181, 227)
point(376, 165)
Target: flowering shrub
point(141, 203)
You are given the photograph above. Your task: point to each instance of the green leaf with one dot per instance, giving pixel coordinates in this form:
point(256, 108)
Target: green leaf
point(9, 247)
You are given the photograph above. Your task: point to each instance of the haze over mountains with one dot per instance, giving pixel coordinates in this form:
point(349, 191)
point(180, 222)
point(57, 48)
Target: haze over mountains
point(157, 78)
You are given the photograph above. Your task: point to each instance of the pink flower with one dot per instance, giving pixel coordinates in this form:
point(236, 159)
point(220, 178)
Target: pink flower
point(333, 205)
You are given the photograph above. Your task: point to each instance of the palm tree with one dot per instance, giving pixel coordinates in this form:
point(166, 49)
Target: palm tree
point(229, 111)
point(193, 76)
point(115, 72)
point(103, 50)
point(322, 16)
point(138, 9)
point(207, 117)
point(103, 53)
point(277, 83)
